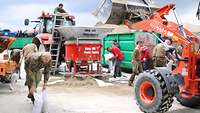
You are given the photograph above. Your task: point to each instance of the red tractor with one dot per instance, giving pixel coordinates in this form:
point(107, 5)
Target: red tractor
point(155, 89)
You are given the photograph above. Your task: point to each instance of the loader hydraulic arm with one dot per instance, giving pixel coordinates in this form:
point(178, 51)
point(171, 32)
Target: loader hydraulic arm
point(158, 23)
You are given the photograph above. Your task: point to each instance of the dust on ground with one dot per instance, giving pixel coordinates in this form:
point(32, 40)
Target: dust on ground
point(88, 83)
point(77, 95)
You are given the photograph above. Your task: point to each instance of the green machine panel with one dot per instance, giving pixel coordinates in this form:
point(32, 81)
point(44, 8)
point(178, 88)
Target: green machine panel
point(20, 42)
point(127, 43)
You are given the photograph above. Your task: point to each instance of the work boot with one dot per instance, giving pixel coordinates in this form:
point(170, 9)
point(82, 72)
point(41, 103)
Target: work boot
point(119, 75)
point(30, 96)
point(130, 83)
point(108, 71)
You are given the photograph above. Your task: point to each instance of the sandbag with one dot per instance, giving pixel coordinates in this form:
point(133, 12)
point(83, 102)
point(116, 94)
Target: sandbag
point(40, 103)
point(45, 102)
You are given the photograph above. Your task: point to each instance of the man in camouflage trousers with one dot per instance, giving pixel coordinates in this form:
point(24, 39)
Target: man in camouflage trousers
point(33, 64)
point(137, 66)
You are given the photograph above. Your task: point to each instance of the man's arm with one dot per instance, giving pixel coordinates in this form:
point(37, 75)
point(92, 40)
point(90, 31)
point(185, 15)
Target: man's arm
point(114, 57)
point(21, 57)
point(47, 70)
point(63, 11)
point(46, 75)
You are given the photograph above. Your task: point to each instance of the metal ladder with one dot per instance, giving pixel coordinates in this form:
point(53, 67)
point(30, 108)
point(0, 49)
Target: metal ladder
point(55, 47)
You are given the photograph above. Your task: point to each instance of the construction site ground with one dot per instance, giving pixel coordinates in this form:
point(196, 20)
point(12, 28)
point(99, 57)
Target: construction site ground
point(78, 95)
point(81, 96)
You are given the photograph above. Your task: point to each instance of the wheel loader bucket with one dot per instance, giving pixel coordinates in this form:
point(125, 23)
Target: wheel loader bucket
point(115, 11)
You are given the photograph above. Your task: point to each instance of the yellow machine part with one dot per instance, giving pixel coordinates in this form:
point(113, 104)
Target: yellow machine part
point(7, 67)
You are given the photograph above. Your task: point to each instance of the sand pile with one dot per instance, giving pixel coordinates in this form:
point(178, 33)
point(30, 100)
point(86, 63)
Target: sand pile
point(77, 81)
point(121, 29)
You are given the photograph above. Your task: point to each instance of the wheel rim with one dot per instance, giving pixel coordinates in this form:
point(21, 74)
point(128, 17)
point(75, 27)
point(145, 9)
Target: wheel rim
point(147, 92)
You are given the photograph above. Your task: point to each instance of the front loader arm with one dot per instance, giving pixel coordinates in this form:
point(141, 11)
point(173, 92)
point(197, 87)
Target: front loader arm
point(158, 23)
point(154, 25)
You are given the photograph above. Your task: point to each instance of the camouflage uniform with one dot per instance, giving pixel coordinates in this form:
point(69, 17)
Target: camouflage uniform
point(28, 50)
point(59, 10)
point(137, 66)
point(159, 54)
point(33, 64)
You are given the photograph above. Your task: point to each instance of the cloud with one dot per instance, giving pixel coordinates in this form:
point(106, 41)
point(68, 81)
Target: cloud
point(15, 11)
point(15, 20)
point(31, 11)
point(85, 19)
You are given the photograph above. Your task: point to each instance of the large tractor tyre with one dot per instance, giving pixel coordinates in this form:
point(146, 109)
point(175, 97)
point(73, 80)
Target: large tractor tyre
point(192, 102)
point(151, 93)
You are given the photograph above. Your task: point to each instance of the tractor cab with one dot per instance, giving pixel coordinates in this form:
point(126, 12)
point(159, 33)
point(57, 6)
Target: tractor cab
point(48, 21)
point(46, 26)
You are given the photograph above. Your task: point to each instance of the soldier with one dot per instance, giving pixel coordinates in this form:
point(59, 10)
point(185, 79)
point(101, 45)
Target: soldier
point(59, 9)
point(27, 52)
point(137, 66)
point(33, 64)
point(159, 54)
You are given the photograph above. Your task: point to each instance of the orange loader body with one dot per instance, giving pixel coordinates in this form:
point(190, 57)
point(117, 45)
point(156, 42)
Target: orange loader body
point(183, 82)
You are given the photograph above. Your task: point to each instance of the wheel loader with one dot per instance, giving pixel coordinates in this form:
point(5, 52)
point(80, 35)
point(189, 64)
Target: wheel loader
point(155, 89)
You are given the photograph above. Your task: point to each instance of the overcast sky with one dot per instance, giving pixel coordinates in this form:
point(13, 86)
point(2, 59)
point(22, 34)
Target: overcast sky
point(13, 12)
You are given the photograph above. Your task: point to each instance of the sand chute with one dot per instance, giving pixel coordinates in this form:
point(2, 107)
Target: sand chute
point(115, 11)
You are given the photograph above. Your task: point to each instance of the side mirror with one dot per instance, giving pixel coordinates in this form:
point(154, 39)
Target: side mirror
point(26, 22)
